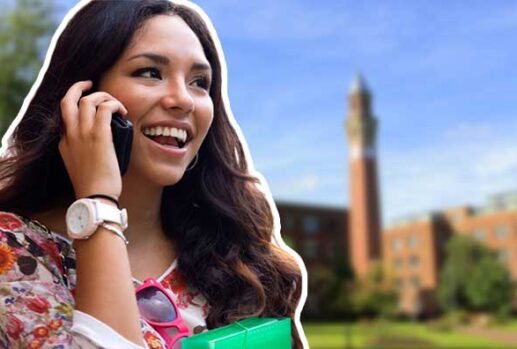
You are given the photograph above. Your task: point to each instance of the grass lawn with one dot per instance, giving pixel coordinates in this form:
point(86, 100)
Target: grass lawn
point(389, 335)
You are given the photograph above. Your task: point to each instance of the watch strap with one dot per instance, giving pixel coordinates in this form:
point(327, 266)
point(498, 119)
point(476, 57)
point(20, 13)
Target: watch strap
point(109, 213)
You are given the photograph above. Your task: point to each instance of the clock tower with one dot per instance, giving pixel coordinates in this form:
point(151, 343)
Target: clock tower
point(364, 212)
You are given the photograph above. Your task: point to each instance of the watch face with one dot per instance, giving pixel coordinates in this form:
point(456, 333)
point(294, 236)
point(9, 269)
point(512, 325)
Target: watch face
point(77, 219)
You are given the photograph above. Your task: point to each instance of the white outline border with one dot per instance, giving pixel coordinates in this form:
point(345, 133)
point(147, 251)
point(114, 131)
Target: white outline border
point(263, 186)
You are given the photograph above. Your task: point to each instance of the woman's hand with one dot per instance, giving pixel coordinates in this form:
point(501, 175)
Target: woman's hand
point(86, 145)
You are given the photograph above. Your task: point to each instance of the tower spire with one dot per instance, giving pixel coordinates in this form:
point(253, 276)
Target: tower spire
point(358, 85)
point(365, 217)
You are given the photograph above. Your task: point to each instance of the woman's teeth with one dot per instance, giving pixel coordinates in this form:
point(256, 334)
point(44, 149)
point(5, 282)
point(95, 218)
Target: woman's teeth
point(180, 135)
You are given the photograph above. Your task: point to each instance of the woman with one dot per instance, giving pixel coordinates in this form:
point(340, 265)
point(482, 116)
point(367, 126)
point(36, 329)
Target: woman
point(198, 221)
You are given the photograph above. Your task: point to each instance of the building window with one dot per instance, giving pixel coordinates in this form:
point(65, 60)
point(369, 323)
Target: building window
point(501, 232)
point(398, 264)
point(417, 305)
point(414, 261)
point(479, 235)
point(413, 241)
point(310, 248)
point(399, 284)
point(331, 224)
point(310, 224)
point(330, 251)
point(415, 282)
point(398, 244)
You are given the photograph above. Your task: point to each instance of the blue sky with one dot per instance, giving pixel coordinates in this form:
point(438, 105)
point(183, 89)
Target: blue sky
point(443, 78)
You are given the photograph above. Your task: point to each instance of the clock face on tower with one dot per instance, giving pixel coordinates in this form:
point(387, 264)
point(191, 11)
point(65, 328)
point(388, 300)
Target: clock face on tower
point(360, 152)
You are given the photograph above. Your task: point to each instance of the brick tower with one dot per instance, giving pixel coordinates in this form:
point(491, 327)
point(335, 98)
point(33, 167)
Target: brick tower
point(365, 216)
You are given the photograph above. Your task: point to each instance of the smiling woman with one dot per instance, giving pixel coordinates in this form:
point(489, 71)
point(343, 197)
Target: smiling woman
point(201, 249)
point(163, 79)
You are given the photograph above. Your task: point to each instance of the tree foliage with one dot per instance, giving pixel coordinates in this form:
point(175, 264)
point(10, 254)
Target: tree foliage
point(374, 296)
point(472, 278)
point(326, 286)
point(25, 30)
point(323, 288)
point(334, 294)
point(488, 287)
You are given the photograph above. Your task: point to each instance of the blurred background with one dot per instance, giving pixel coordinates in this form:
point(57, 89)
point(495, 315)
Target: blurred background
point(386, 133)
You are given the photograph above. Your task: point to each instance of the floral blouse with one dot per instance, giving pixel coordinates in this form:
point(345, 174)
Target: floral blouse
point(37, 282)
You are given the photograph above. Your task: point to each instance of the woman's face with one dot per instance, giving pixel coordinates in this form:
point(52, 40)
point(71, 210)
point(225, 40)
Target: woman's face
point(163, 79)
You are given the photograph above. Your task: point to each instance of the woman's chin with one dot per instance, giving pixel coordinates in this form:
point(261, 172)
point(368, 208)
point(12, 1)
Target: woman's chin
point(168, 178)
point(157, 176)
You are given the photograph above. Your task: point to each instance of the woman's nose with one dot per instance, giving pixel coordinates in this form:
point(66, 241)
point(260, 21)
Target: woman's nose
point(177, 96)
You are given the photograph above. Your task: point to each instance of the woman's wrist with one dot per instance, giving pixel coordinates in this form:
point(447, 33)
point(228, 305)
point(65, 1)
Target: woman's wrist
point(101, 236)
point(106, 201)
point(104, 197)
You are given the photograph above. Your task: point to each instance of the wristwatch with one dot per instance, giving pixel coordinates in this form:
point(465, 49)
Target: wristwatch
point(84, 216)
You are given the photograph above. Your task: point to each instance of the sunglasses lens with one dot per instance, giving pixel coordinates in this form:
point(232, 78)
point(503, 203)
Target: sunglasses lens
point(155, 306)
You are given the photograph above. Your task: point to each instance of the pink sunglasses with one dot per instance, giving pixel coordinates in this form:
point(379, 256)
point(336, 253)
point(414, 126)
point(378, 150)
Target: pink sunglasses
point(157, 307)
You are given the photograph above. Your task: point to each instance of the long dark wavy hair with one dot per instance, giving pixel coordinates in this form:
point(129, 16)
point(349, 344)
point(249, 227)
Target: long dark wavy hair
point(221, 222)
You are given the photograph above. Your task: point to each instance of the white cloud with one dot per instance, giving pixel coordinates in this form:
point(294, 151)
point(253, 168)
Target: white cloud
point(465, 165)
point(304, 184)
point(498, 162)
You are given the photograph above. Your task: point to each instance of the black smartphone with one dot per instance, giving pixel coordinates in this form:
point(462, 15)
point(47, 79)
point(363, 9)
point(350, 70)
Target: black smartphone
point(122, 130)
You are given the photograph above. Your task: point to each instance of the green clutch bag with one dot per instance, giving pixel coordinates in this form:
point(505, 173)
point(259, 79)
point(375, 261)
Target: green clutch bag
point(252, 333)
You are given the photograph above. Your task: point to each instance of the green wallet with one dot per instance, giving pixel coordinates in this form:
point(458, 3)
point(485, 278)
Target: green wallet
point(252, 333)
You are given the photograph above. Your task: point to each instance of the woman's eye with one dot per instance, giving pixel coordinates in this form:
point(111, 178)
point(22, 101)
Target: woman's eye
point(202, 82)
point(149, 72)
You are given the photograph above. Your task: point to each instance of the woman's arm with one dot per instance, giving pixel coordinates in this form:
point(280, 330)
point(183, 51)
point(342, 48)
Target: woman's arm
point(104, 287)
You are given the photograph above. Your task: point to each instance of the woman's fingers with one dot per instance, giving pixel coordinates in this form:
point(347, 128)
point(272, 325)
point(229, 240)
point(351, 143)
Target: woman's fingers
point(89, 106)
point(79, 113)
point(105, 110)
point(87, 143)
point(70, 104)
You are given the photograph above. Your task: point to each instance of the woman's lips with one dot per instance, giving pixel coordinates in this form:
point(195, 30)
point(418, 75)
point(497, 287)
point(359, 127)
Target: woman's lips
point(171, 150)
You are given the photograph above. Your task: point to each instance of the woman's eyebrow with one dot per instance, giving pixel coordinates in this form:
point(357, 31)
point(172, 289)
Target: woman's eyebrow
point(163, 60)
point(201, 66)
point(159, 59)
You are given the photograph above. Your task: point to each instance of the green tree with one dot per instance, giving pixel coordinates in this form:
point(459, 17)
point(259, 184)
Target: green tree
point(488, 288)
point(472, 278)
point(25, 30)
point(374, 296)
point(334, 294)
point(322, 287)
point(329, 290)
point(460, 256)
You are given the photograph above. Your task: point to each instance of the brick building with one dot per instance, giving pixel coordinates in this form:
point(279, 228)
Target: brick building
point(413, 248)
point(318, 233)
